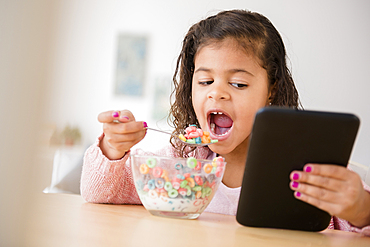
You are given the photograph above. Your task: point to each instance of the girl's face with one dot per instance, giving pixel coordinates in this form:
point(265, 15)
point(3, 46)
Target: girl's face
point(228, 88)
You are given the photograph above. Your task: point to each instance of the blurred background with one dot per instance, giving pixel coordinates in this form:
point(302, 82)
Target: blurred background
point(61, 62)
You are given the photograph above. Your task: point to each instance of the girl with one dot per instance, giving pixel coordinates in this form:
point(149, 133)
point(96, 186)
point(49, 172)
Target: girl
point(231, 65)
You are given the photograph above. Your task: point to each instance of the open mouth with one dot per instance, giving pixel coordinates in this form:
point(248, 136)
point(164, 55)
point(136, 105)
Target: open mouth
point(219, 123)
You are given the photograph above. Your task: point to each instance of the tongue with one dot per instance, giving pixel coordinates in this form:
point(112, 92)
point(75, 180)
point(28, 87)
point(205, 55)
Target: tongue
point(222, 121)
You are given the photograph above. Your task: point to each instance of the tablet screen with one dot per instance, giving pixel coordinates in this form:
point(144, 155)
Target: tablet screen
point(283, 140)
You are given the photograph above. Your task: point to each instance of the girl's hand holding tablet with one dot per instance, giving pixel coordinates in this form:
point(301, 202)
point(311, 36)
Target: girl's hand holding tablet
point(334, 189)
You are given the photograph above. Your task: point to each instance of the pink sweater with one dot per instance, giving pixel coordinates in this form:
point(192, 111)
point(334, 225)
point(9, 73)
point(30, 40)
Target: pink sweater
point(111, 181)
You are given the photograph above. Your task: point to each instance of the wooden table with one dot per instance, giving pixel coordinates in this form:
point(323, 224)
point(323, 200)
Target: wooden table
point(67, 220)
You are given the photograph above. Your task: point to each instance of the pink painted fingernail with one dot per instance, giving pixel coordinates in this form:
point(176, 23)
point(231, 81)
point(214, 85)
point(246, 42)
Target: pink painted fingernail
point(295, 184)
point(298, 194)
point(295, 176)
point(308, 169)
point(145, 124)
point(115, 114)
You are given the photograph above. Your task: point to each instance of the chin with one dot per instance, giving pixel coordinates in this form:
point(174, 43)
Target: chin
point(221, 149)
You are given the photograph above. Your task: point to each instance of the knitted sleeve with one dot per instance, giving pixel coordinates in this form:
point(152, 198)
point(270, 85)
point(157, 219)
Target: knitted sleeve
point(107, 181)
point(339, 224)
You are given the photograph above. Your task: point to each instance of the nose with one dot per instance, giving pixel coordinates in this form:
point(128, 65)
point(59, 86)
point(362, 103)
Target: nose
point(218, 91)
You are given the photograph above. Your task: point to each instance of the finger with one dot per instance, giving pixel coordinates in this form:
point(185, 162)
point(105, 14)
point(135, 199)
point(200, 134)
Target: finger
point(124, 142)
point(129, 127)
point(108, 116)
point(316, 192)
point(126, 116)
point(329, 207)
point(126, 138)
point(121, 116)
point(328, 183)
point(333, 171)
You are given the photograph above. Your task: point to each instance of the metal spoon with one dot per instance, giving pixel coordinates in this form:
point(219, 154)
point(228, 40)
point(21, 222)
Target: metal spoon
point(187, 143)
point(164, 132)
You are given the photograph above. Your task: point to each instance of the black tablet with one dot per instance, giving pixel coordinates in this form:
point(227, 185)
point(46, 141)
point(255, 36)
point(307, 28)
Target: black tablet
point(283, 140)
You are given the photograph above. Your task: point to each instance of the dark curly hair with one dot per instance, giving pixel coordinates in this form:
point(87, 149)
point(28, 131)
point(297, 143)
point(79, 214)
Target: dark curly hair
point(257, 35)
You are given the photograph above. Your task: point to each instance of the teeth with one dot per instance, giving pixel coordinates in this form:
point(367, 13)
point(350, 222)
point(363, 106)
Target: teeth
point(223, 133)
point(216, 113)
point(213, 127)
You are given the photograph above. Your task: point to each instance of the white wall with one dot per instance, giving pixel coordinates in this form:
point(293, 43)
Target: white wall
point(327, 42)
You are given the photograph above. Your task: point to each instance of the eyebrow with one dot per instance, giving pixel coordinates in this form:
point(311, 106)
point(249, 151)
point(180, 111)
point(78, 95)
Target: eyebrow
point(231, 70)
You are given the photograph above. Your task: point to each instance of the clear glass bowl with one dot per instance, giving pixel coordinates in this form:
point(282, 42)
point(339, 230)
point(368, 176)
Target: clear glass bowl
point(176, 187)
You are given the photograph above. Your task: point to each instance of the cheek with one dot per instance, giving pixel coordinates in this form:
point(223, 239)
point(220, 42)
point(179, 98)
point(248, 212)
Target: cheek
point(197, 109)
point(193, 94)
point(195, 100)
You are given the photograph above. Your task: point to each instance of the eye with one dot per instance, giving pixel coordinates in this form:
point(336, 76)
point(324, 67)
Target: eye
point(205, 82)
point(238, 85)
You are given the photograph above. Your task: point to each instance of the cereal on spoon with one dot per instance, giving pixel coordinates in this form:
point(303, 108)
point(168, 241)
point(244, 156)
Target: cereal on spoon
point(194, 135)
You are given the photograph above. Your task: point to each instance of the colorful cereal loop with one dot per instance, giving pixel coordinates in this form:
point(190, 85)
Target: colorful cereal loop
point(214, 169)
point(188, 190)
point(197, 188)
point(219, 171)
point(144, 169)
point(198, 166)
point(178, 166)
point(214, 162)
point(173, 193)
point(191, 182)
point(192, 135)
point(175, 185)
point(183, 183)
point(183, 191)
point(191, 141)
point(164, 196)
point(198, 180)
point(220, 161)
point(164, 174)
point(159, 183)
point(205, 139)
point(153, 194)
point(151, 162)
point(182, 137)
point(211, 178)
point(160, 190)
point(203, 192)
point(191, 162)
point(198, 140)
point(151, 184)
point(208, 168)
point(157, 171)
point(168, 186)
point(208, 191)
point(146, 188)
